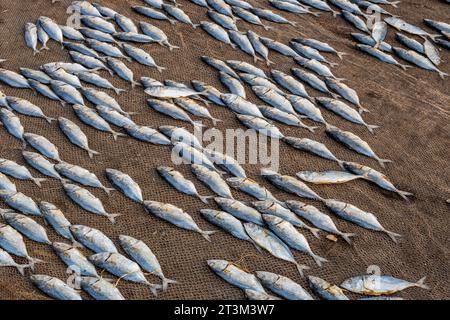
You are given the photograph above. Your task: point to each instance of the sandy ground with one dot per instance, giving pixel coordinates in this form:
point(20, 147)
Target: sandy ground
point(412, 108)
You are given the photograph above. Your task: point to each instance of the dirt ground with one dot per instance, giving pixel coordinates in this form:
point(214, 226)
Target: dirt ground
point(412, 108)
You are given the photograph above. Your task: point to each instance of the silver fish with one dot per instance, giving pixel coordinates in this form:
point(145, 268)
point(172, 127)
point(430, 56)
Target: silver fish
point(41, 164)
point(346, 5)
point(114, 117)
point(438, 25)
point(283, 286)
point(102, 98)
point(31, 37)
point(141, 56)
point(292, 7)
point(311, 146)
point(234, 275)
point(362, 218)
point(317, 218)
point(253, 80)
point(319, 45)
point(100, 289)
point(7, 261)
point(223, 20)
point(54, 287)
point(146, 134)
point(26, 226)
point(97, 35)
point(20, 202)
point(220, 6)
point(125, 23)
point(87, 201)
point(259, 47)
point(356, 21)
point(43, 145)
point(13, 79)
point(418, 60)
point(226, 162)
point(125, 184)
point(152, 13)
point(156, 34)
point(239, 210)
point(327, 177)
point(148, 82)
point(25, 107)
point(257, 295)
point(74, 133)
point(279, 47)
point(12, 123)
point(196, 109)
point(91, 118)
point(170, 92)
point(271, 16)
point(98, 81)
point(154, 3)
point(310, 53)
point(270, 242)
point(376, 285)
point(316, 66)
point(70, 33)
point(35, 75)
point(325, 289)
point(379, 31)
point(86, 8)
point(246, 67)
point(345, 92)
point(181, 135)
point(240, 105)
point(81, 48)
point(252, 188)
point(410, 43)
point(45, 91)
point(170, 110)
point(98, 24)
point(261, 126)
point(289, 83)
point(402, 25)
point(380, 55)
point(243, 43)
point(74, 259)
point(249, 17)
point(6, 184)
point(368, 40)
point(92, 238)
point(227, 222)
point(219, 65)
point(211, 93)
point(232, 84)
point(178, 14)
point(89, 62)
point(354, 142)
point(284, 117)
point(106, 49)
point(212, 179)
point(239, 3)
point(176, 216)
point(42, 37)
point(216, 32)
point(122, 70)
point(312, 80)
point(66, 92)
point(290, 184)
point(305, 107)
point(55, 217)
point(17, 171)
point(51, 28)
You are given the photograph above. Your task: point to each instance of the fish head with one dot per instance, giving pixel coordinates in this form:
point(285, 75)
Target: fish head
point(167, 130)
point(79, 229)
point(60, 247)
point(4, 194)
point(353, 284)
point(127, 241)
point(271, 219)
point(46, 206)
point(99, 258)
point(40, 278)
point(228, 98)
point(218, 265)
point(267, 277)
point(235, 182)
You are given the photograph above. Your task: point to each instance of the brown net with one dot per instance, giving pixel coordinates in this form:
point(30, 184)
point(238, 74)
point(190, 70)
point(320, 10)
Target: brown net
point(412, 108)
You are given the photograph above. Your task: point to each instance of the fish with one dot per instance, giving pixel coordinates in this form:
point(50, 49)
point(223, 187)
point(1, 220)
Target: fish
point(125, 23)
point(279, 47)
point(176, 216)
point(292, 7)
point(146, 134)
point(294, 239)
point(43, 37)
point(379, 31)
point(122, 71)
point(374, 176)
point(310, 53)
point(356, 21)
point(122, 267)
point(290, 184)
point(26, 226)
point(20, 202)
point(271, 16)
point(69, 33)
point(144, 256)
point(386, 2)
point(54, 287)
point(125, 184)
point(75, 135)
point(345, 111)
point(220, 6)
point(45, 91)
point(180, 183)
point(226, 162)
point(432, 52)
point(327, 177)
point(270, 242)
point(37, 75)
point(317, 218)
point(156, 34)
point(196, 109)
point(410, 43)
point(353, 142)
point(232, 84)
point(17, 171)
point(31, 38)
point(170, 92)
point(43, 145)
point(402, 25)
point(256, 295)
point(87, 201)
point(240, 105)
point(319, 45)
point(86, 8)
point(154, 3)
point(251, 188)
point(438, 25)
point(170, 110)
point(234, 275)
point(227, 222)
point(55, 217)
point(62, 75)
point(97, 35)
point(178, 14)
point(81, 48)
point(284, 117)
point(91, 118)
point(104, 11)
point(289, 83)
point(107, 49)
point(12, 123)
point(70, 67)
point(114, 117)
point(362, 218)
point(133, 37)
point(239, 3)
point(380, 55)
point(222, 20)
point(220, 66)
point(148, 82)
point(66, 92)
point(92, 238)
point(41, 164)
point(253, 80)
point(312, 80)
point(74, 259)
point(243, 43)
point(51, 28)
point(311, 146)
point(283, 286)
point(6, 184)
point(80, 175)
point(7, 261)
point(377, 285)
point(13, 79)
point(152, 13)
point(98, 23)
point(201, 3)
point(345, 92)
point(12, 242)
point(212, 179)
point(259, 47)
point(346, 5)
point(177, 134)
point(249, 17)
point(239, 210)
point(368, 40)
point(306, 108)
point(100, 289)
point(246, 67)
point(274, 99)
point(102, 98)
point(325, 289)
point(142, 57)
point(89, 62)
point(217, 32)
point(98, 81)
point(261, 126)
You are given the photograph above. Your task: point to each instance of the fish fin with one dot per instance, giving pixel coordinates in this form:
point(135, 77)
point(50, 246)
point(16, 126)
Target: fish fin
point(172, 22)
point(315, 232)
point(166, 282)
point(421, 284)
point(393, 235)
point(405, 194)
point(371, 127)
point(33, 261)
point(334, 95)
point(135, 83)
point(383, 161)
point(311, 128)
point(293, 23)
point(319, 260)
point(91, 153)
point(171, 46)
point(160, 69)
point(301, 268)
point(44, 47)
point(154, 288)
point(341, 54)
point(316, 14)
point(205, 198)
point(362, 109)
point(108, 190)
point(335, 13)
point(112, 216)
point(332, 64)
point(266, 27)
point(341, 79)
point(442, 74)
point(63, 103)
point(117, 134)
point(269, 62)
point(49, 120)
point(206, 234)
point(21, 268)
point(110, 71)
point(195, 25)
point(233, 45)
point(347, 236)
point(215, 120)
point(395, 3)
point(118, 90)
point(38, 181)
point(128, 59)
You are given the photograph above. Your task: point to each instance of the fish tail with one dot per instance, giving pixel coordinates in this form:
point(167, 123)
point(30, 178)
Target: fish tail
point(154, 288)
point(347, 236)
point(233, 45)
point(171, 46)
point(166, 282)
point(340, 163)
point(215, 121)
point(63, 103)
point(108, 190)
point(395, 3)
point(334, 95)
point(341, 54)
point(292, 23)
point(301, 268)
point(117, 134)
point(371, 127)
point(160, 69)
point(316, 14)
point(404, 66)
point(335, 13)
point(172, 22)
point(442, 74)
point(91, 153)
point(128, 59)
point(266, 27)
point(206, 234)
point(421, 284)
point(319, 260)
point(110, 71)
point(21, 268)
point(315, 232)
point(112, 216)
point(35, 52)
point(44, 47)
point(33, 261)
point(49, 119)
point(118, 90)
point(269, 62)
point(362, 109)
point(195, 25)
point(393, 235)
point(205, 198)
point(405, 194)
point(311, 129)
point(135, 83)
point(383, 161)
point(332, 64)
point(38, 181)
